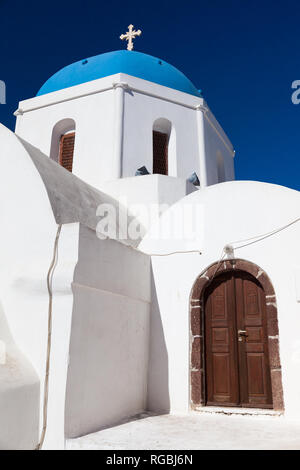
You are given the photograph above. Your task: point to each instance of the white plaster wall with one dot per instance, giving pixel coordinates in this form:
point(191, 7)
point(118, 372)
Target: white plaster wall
point(148, 196)
point(140, 113)
point(107, 376)
point(215, 143)
point(94, 120)
point(19, 394)
point(94, 108)
point(228, 212)
point(27, 241)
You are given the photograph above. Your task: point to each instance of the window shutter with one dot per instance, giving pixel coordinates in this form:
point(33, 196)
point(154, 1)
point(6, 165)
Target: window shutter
point(66, 151)
point(160, 153)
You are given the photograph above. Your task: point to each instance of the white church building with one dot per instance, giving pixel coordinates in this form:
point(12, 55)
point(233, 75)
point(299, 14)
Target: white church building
point(171, 286)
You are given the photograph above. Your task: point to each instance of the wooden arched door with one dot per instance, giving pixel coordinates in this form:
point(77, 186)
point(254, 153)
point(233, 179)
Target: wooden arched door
point(237, 368)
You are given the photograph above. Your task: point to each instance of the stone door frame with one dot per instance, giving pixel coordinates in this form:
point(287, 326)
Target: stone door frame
point(197, 361)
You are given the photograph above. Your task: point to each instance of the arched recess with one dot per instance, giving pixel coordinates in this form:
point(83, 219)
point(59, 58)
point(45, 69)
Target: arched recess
point(60, 131)
point(197, 358)
point(164, 147)
point(220, 167)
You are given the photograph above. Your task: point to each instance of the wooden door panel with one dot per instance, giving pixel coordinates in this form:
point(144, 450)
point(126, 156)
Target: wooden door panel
point(255, 334)
point(255, 369)
point(220, 340)
point(221, 384)
point(255, 380)
point(221, 364)
point(236, 343)
point(219, 307)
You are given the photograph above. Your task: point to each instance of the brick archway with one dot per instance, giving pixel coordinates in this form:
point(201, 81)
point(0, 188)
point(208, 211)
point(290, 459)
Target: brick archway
point(197, 363)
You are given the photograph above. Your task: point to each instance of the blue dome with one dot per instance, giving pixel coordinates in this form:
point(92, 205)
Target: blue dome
point(130, 62)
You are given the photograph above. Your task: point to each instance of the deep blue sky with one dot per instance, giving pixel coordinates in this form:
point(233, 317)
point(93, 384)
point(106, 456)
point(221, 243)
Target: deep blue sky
point(243, 54)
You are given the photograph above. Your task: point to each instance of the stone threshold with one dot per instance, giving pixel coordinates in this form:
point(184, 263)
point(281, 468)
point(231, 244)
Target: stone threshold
point(237, 411)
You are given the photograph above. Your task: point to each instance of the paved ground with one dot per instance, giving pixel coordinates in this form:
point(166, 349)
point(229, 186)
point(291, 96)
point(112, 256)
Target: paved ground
point(194, 431)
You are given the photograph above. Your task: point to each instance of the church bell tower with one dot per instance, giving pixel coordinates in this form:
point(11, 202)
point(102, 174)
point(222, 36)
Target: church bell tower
point(106, 117)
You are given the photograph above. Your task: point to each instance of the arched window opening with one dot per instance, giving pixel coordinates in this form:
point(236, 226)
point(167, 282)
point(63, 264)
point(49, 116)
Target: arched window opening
point(63, 142)
point(220, 167)
point(161, 138)
point(66, 150)
point(160, 153)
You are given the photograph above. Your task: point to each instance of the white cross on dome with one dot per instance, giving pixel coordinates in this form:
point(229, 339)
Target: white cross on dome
point(130, 35)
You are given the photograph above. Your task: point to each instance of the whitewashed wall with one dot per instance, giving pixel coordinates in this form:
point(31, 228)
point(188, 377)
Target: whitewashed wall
point(93, 116)
point(107, 377)
point(140, 114)
point(27, 240)
point(217, 145)
point(228, 212)
point(148, 196)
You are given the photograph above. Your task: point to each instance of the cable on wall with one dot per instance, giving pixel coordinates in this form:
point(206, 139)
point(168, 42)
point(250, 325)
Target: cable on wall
point(50, 292)
point(174, 253)
point(258, 238)
point(230, 246)
point(251, 241)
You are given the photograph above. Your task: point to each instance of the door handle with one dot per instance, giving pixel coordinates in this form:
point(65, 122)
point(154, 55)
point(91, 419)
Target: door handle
point(242, 332)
